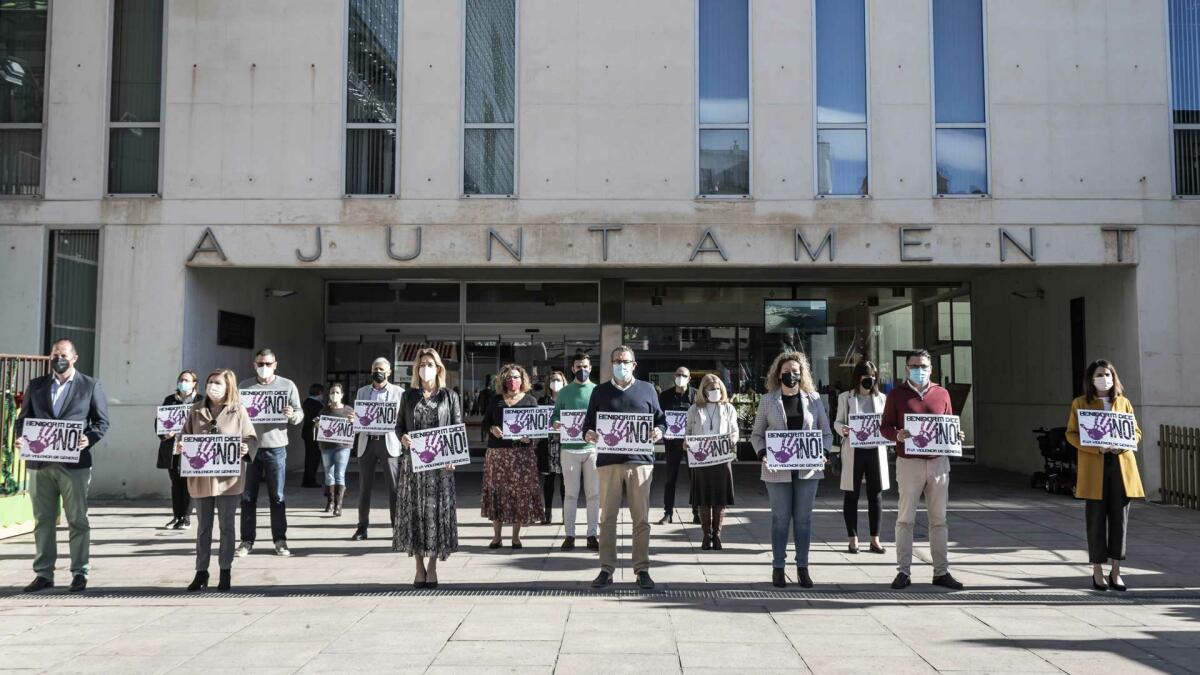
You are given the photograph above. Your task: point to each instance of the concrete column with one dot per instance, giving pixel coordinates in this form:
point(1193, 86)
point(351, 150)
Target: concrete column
point(612, 323)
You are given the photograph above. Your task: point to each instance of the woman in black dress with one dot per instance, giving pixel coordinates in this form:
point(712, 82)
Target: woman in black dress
point(548, 459)
point(712, 486)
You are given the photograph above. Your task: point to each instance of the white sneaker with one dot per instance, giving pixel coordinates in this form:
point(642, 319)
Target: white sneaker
point(281, 548)
point(244, 549)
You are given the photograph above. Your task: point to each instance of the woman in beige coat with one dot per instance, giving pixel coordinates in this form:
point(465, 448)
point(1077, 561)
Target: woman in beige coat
point(221, 414)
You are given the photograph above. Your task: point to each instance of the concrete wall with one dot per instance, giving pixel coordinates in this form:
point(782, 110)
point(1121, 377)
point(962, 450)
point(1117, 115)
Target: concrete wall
point(22, 303)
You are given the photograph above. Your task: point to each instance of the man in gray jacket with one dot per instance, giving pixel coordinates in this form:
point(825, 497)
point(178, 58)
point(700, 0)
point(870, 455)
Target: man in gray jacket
point(376, 449)
point(271, 461)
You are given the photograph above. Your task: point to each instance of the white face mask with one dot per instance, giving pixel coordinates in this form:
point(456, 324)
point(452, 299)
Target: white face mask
point(556, 385)
point(335, 398)
point(681, 381)
point(427, 373)
point(1102, 383)
point(713, 396)
point(215, 391)
point(264, 372)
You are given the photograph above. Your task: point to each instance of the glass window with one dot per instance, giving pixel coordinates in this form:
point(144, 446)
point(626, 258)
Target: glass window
point(489, 98)
point(842, 162)
point(22, 95)
point(724, 97)
point(1185, 93)
point(136, 97)
point(841, 61)
point(133, 160)
point(372, 94)
point(74, 279)
point(960, 99)
point(533, 303)
point(392, 302)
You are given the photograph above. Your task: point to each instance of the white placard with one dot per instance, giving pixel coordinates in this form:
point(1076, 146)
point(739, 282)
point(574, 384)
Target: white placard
point(51, 440)
point(864, 430)
point(1107, 429)
point(213, 455)
point(335, 429)
point(375, 417)
point(169, 419)
point(526, 422)
point(676, 424)
point(932, 435)
point(624, 433)
point(802, 450)
point(438, 447)
point(571, 421)
point(709, 450)
point(265, 406)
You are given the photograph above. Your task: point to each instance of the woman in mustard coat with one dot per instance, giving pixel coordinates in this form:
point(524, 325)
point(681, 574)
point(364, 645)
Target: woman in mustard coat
point(1107, 478)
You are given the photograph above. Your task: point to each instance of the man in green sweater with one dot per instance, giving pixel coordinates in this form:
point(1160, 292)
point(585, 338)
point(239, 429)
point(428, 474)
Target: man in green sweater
point(578, 456)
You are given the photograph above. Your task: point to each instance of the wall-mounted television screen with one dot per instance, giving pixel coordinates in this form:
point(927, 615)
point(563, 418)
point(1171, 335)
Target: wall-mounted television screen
point(801, 316)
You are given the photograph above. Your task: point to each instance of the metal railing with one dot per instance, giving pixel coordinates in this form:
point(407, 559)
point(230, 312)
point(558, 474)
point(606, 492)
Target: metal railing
point(1180, 449)
point(15, 373)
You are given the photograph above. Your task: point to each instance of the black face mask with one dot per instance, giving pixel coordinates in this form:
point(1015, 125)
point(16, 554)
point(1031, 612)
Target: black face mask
point(789, 379)
point(582, 375)
point(379, 376)
point(867, 382)
point(61, 365)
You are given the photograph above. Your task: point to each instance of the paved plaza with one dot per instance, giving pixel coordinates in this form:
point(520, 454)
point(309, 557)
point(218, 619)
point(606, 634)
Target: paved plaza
point(341, 606)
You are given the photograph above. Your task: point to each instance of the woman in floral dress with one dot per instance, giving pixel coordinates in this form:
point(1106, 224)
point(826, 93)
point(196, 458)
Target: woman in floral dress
point(511, 493)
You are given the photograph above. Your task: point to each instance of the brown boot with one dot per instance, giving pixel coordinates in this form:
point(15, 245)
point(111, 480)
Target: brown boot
point(328, 497)
point(706, 526)
point(718, 517)
point(339, 492)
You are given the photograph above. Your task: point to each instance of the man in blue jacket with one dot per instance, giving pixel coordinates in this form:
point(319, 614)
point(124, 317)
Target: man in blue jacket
point(624, 394)
point(66, 394)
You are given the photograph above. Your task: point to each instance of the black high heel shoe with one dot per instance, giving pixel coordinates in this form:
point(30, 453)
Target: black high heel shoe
point(1112, 583)
point(1099, 585)
point(199, 582)
point(226, 580)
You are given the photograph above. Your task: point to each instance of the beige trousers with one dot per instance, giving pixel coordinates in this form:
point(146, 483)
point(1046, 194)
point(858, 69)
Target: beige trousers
point(635, 478)
point(915, 477)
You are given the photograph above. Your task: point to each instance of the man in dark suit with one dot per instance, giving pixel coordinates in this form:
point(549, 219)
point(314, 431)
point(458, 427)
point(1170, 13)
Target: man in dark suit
point(66, 394)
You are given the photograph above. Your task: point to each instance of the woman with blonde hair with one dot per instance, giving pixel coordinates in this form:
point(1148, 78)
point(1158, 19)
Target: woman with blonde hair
point(712, 486)
point(510, 494)
point(221, 413)
point(426, 518)
point(790, 404)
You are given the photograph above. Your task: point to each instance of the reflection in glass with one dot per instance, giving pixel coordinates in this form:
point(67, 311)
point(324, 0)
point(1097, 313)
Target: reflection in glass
point(370, 161)
point(958, 61)
point(841, 62)
point(724, 162)
point(133, 161)
point(724, 62)
point(842, 162)
point(488, 161)
point(137, 61)
point(1185, 61)
point(490, 61)
point(371, 53)
point(20, 161)
point(1187, 161)
point(22, 61)
point(961, 161)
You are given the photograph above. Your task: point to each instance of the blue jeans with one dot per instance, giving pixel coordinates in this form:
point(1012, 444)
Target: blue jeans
point(270, 464)
point(335, 460)
point(791, 508)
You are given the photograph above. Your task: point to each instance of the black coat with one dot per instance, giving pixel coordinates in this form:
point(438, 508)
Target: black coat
point(449, 409)
point(167, 459)
point(84, 402)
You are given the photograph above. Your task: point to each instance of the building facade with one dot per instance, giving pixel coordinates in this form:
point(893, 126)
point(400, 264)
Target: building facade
point(1008, 183)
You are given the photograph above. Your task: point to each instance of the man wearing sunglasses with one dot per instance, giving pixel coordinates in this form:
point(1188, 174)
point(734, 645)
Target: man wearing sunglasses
point(270, 463)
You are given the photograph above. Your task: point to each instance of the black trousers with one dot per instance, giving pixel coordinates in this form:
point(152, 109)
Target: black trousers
point(1108, 517)
point(312, 462)
point(864, 465)
point(374, 453)
point(548, 480)
point(181, 500)
point(674, 457)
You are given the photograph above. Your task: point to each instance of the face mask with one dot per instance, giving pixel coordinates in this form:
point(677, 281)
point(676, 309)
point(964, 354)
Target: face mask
point(427, 373)
point(556, 385)
point(713, 396)
point(867, 382)
point(379, 376)
point(789, 379)
point(264, 372)
point(622, 371)
point(681, 381)
point(61, 365)
point(513, 383)
point(582, 375)
point(918, 376)
point(335, 398)
point(184, 387)
point(1102, 383)
point(215, 391)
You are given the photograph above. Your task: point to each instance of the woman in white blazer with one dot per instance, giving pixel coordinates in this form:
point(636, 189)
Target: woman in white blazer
point(712, 486)
point(791, 403)
point(859, 463)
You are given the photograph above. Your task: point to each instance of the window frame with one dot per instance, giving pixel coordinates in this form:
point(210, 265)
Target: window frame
point(41, 127)
point(748, 126)
point(1171, 124)
point(935, 126)
point(463, 125)
point(109, 124)
point(864, 126)
point(343, 144)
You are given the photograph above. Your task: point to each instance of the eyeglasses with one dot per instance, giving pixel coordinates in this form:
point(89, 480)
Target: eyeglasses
point(264, 363)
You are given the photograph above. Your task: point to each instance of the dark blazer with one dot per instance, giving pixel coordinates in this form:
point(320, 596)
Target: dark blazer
point(449, 409)
point(312, 409)
point(167, 459)
point(84, 402)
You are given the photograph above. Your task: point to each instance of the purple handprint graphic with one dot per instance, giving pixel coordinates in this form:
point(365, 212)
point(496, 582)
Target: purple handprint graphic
point(328, 432)
point(365, 420)
point(433, 447)
point(869, 429)
point(517, 424)
point(1100, 429)
point(203, 454)
point(927, 434)
point(701, 453)
point(169, 423)
point(40, 442)
point(573, 431)
point(678, 424)
point(616, 434)
point(255, 405)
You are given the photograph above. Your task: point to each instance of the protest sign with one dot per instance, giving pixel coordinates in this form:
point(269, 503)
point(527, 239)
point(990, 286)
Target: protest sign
point(676, 423)
point(864, 430)
point(932, 435)
point(571, 430)
point(709, 450)
point(625, 433)
point(265, 406)
point(51, 440)
point(802, 450)
point(169, 419)
point(375, 417)
point(1107, 429)
point(211, 455)
point(439, 447)
point(526, 422)
point(335, 429)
